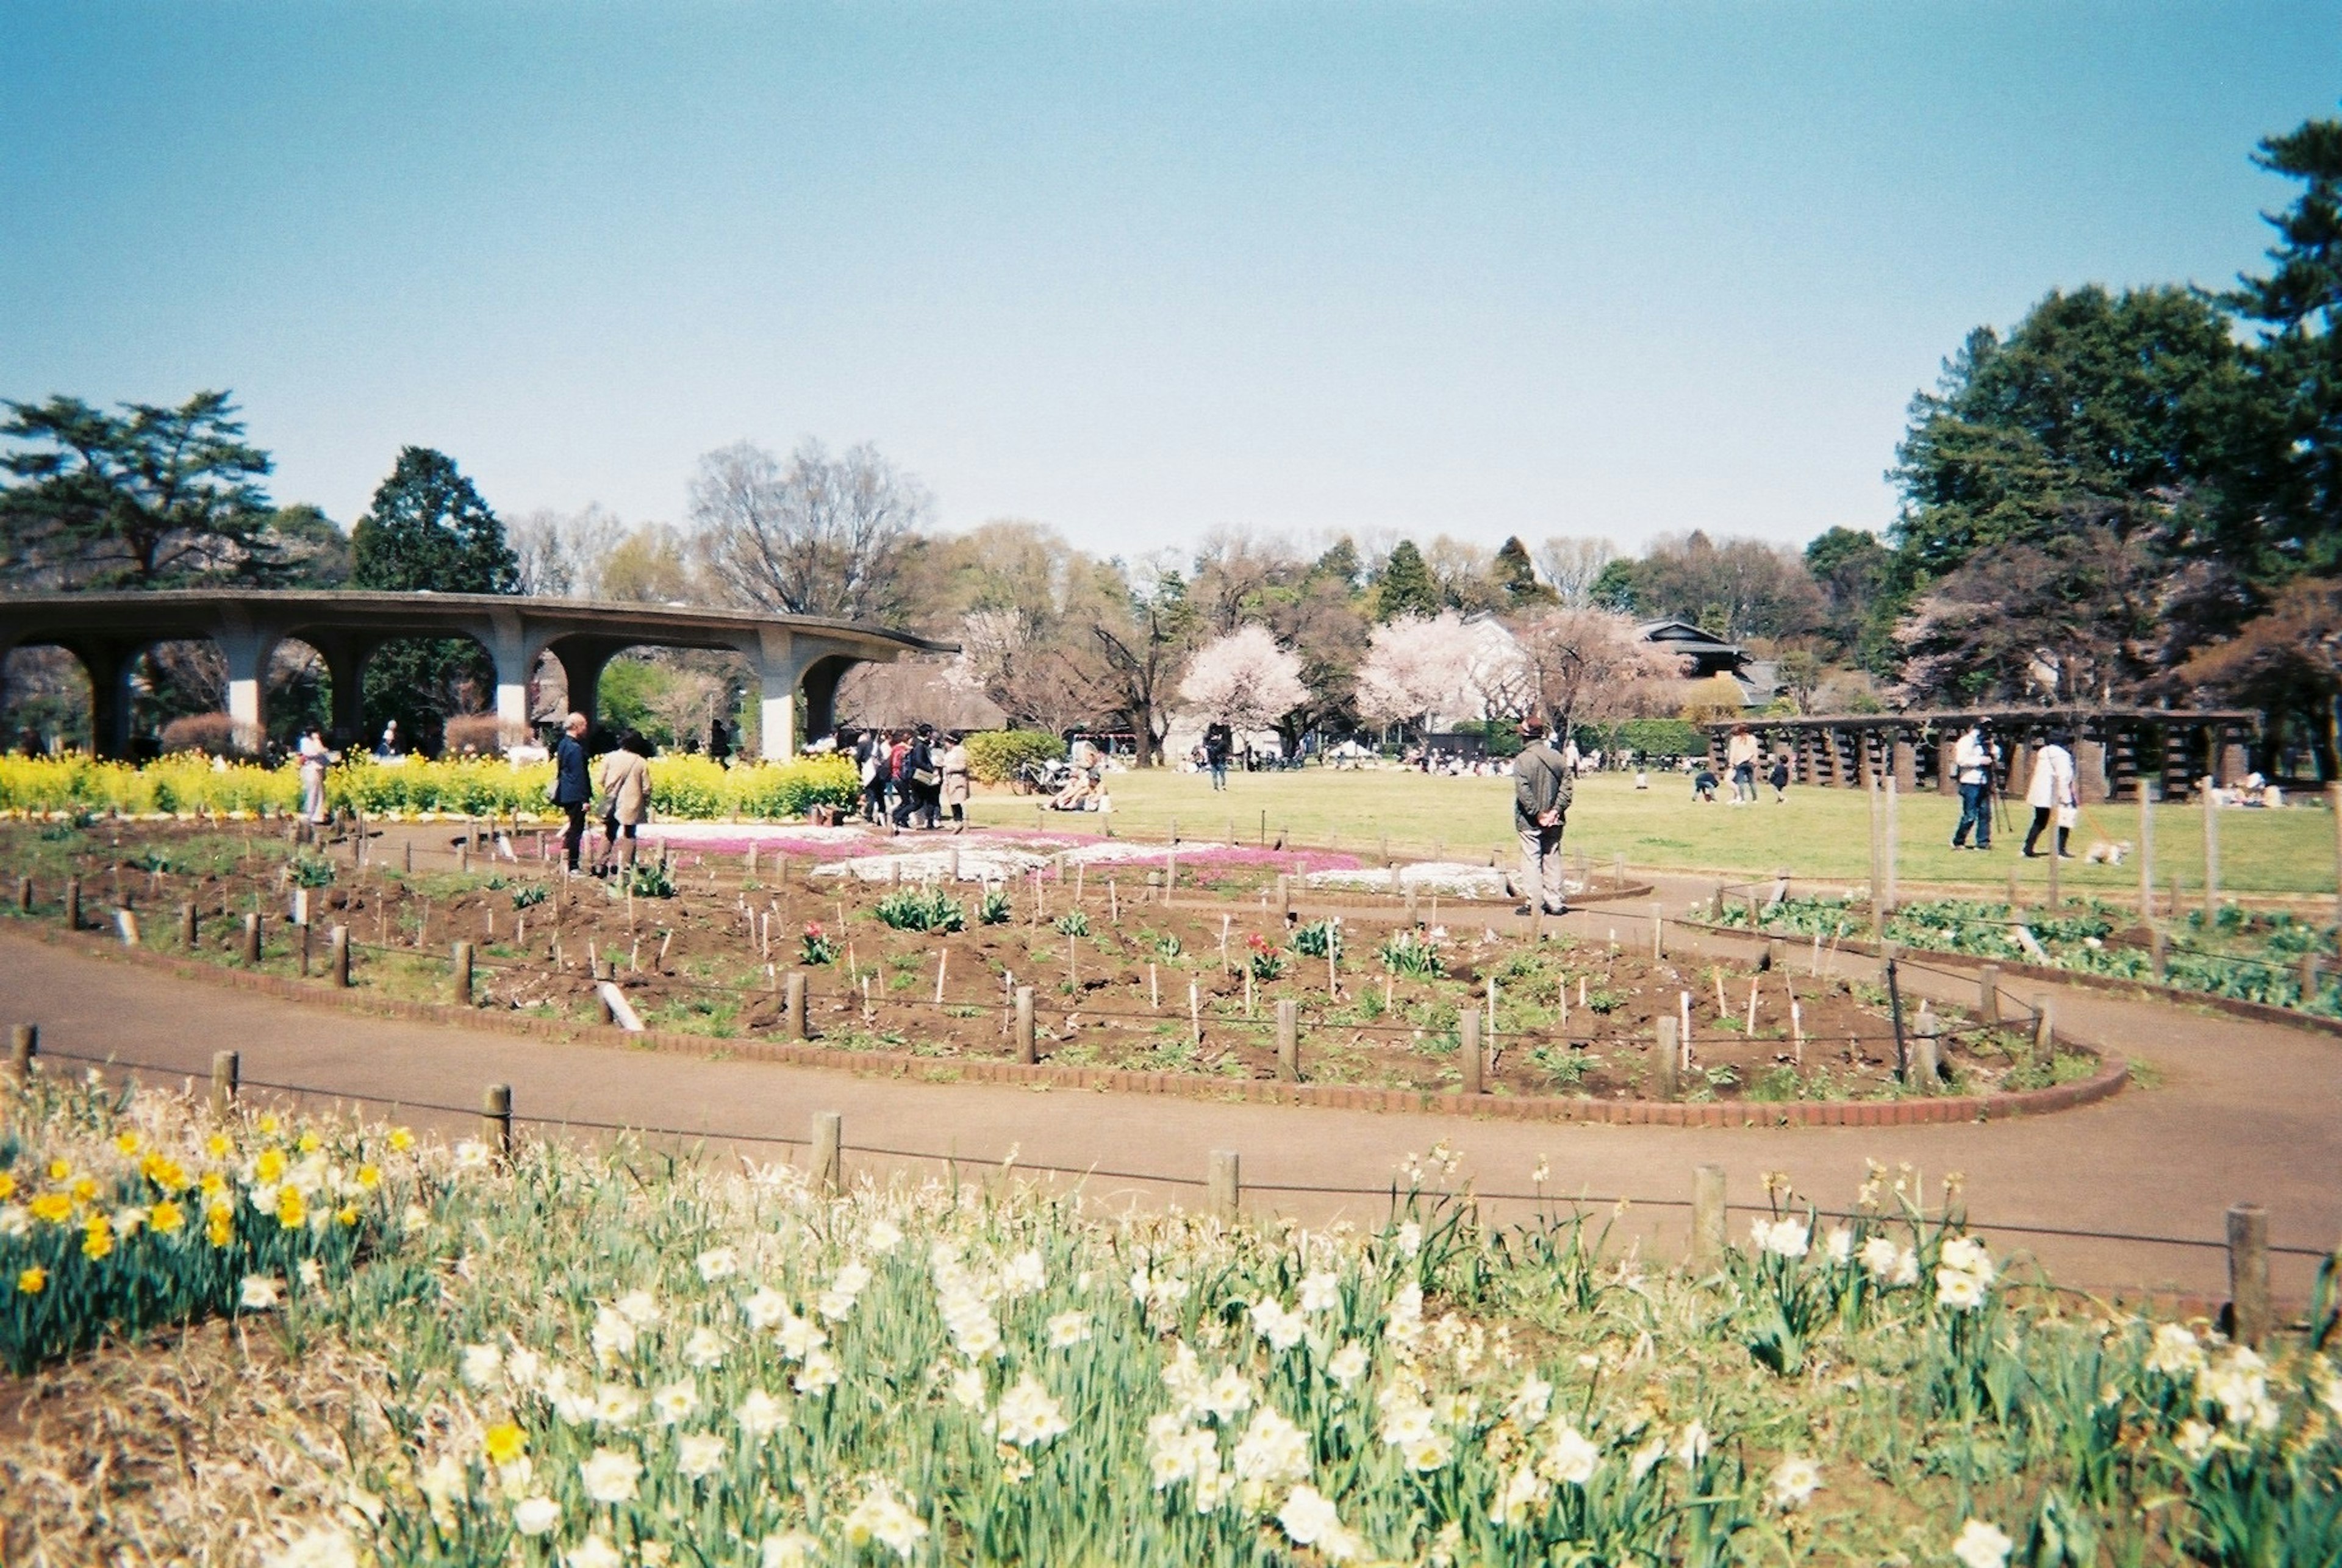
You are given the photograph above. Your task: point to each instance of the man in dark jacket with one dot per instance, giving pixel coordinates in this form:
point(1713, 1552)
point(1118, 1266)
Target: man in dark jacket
point(573, 790)
point(1541, 793)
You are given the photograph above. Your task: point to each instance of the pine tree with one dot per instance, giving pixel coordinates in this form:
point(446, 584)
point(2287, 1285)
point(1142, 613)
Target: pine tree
point(429, 530)
point(1405, 585)
point(1515, 576)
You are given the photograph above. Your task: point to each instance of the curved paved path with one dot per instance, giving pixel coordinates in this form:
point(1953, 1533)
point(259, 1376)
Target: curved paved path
point(2245, 1112)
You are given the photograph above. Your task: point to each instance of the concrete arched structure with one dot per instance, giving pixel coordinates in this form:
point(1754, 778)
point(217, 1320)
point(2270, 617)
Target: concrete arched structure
point(106, 632)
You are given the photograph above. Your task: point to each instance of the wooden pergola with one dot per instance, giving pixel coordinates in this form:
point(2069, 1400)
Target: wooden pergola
point(2174, 749)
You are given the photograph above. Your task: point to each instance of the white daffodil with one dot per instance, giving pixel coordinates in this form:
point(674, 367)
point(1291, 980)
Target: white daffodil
point(698, 1454)
point(1981, 1545)
point(1794, 1482)
point(609, 1476)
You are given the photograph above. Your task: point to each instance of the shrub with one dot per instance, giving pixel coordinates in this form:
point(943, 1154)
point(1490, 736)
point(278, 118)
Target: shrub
point(994, 756)
point(993, 909)
point(1660, 738)
point(486, 734)
point(214, 734)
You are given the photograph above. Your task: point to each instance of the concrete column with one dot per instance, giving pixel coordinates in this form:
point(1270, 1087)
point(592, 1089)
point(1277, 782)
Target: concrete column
point(247, 649)
point(345, 670)
point(581, 670)
point(514, 660)
point(108, 667)
point(775, 658)
point(820, 683)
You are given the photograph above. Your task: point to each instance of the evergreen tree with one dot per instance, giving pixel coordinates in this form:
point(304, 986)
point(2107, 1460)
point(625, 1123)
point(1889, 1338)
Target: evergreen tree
point(1340, 563)
point(150, 498)
point(2285, 490)
point(1405, 585)
point(429, 530)
point(1516, 575)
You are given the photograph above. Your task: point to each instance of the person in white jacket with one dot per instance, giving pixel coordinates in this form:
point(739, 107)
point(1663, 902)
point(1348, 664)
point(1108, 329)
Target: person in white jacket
point(2050, 792)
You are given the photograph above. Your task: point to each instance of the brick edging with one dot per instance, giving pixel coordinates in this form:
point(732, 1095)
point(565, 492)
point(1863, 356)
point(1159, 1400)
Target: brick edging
point(2108, 1082)
point(2114, 984)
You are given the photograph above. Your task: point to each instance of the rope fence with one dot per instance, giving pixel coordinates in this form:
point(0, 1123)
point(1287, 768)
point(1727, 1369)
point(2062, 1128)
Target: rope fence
point(2246, 1242)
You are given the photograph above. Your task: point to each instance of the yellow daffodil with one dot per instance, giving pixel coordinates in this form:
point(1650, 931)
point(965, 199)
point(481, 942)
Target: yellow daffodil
point(347, 1216)
point(167, 1218)
point(504, 1443)
point(401, 1140)
point(126, 1142)
point(292, 1209)
point(306, 1142)
point(8, 1186)
point(369, 1178)
point(33, 1281)
point(59, 1170)
point(97, 1237)
point(55, 1208)
point(216, 1145)
point(270, 1166)
point(268, 1124)
point(213, 1183)
point(219, 1224)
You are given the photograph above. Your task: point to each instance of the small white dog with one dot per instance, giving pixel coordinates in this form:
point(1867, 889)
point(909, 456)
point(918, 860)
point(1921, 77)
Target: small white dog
point(2105, 853)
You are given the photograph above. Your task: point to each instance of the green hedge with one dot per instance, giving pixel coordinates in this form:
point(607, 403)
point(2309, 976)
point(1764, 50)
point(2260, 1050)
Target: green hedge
point(994, 756)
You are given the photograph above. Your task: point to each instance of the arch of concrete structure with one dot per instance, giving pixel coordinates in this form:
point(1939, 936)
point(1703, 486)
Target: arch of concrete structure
point(106, 632)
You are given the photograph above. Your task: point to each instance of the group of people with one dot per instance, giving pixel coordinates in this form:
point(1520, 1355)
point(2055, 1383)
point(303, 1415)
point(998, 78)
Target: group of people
point(911, 777)
point(623, 782)
point(2052, 790)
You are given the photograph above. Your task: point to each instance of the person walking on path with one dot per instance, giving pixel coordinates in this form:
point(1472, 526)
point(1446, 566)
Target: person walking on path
point(2051, 792)
point(1541, 795)
point(1779, 778)
point(314, 758)
point(870, 762)
point(1740, 762)
point(1218, 741)
point(1974, 760)
point(952, 765)
point(626, 800)
point(572, 789)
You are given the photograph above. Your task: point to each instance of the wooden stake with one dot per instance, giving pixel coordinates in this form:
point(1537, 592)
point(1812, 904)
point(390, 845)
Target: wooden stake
point(943, 960)
point(1154, 990)
point(1196, 1011)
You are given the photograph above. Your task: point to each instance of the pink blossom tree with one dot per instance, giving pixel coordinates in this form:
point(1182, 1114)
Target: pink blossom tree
point(1593, 667)
point(1416, 667)
point(1243, 680)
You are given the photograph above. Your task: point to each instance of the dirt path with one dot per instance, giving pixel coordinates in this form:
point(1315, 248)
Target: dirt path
point(2244, 1111)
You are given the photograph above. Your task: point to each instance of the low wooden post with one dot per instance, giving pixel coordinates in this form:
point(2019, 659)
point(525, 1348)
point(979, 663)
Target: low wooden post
point(23, 895)
point(2211, 855)
point(24, 1044)
point(793, 1004)
point(1288, 1039)
point(829, 1151)
point(1926, 1060)
point(459, 984)
point(1026, 1051)
point(1223, 1185)
point(73, 904)
point(409, 856)
point(1666, 1053)
point(1988, 993)
point(2158, 952)
point(1285, 896)
point(2147, 848)
point(1708, 1219)
point(2310, 977)
point(252, 941)
point(1470, 1055)
point(496, 1120)
point(2248, 1273)
point(338, 955)
point(227, 1071)
point(2044, 1027)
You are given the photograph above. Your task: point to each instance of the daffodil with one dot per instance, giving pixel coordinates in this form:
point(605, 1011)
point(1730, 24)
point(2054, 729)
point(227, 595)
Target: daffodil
point(32, 1281)
point(503, 1443)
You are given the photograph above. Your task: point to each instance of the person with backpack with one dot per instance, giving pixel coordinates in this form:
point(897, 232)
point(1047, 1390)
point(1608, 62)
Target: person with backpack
point(870, 762)
point(1541, 795)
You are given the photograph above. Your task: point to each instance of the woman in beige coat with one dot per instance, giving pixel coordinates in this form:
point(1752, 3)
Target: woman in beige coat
point(626, 785)
point(951, 762)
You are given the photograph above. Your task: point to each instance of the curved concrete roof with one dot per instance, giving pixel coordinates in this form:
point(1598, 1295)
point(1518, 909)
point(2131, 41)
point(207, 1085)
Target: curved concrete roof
point(172, 613)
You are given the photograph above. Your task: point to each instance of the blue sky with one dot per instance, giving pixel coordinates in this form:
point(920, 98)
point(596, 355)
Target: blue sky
point(1138, 272)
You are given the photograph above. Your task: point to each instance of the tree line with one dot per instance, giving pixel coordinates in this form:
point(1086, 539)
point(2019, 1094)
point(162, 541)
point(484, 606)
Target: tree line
point(2126, 496)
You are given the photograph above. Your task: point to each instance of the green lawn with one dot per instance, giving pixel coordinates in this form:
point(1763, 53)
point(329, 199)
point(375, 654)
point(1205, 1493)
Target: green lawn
point(1820, 834)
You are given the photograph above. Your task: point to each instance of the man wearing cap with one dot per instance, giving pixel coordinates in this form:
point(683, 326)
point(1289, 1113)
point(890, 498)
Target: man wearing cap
point(1541, 791)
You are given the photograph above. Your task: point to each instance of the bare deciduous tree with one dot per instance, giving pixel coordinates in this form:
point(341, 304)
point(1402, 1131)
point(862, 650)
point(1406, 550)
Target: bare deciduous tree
point(1592, 667)
point(1571, 566)
point(817, 535)
point(560, 554)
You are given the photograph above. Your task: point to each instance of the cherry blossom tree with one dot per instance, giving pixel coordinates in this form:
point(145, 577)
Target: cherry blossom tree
point(1243, 680)
point(1593, 667)
point(1416, 667)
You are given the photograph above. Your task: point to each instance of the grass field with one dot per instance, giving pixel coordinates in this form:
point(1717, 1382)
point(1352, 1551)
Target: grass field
point(1822, 833)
